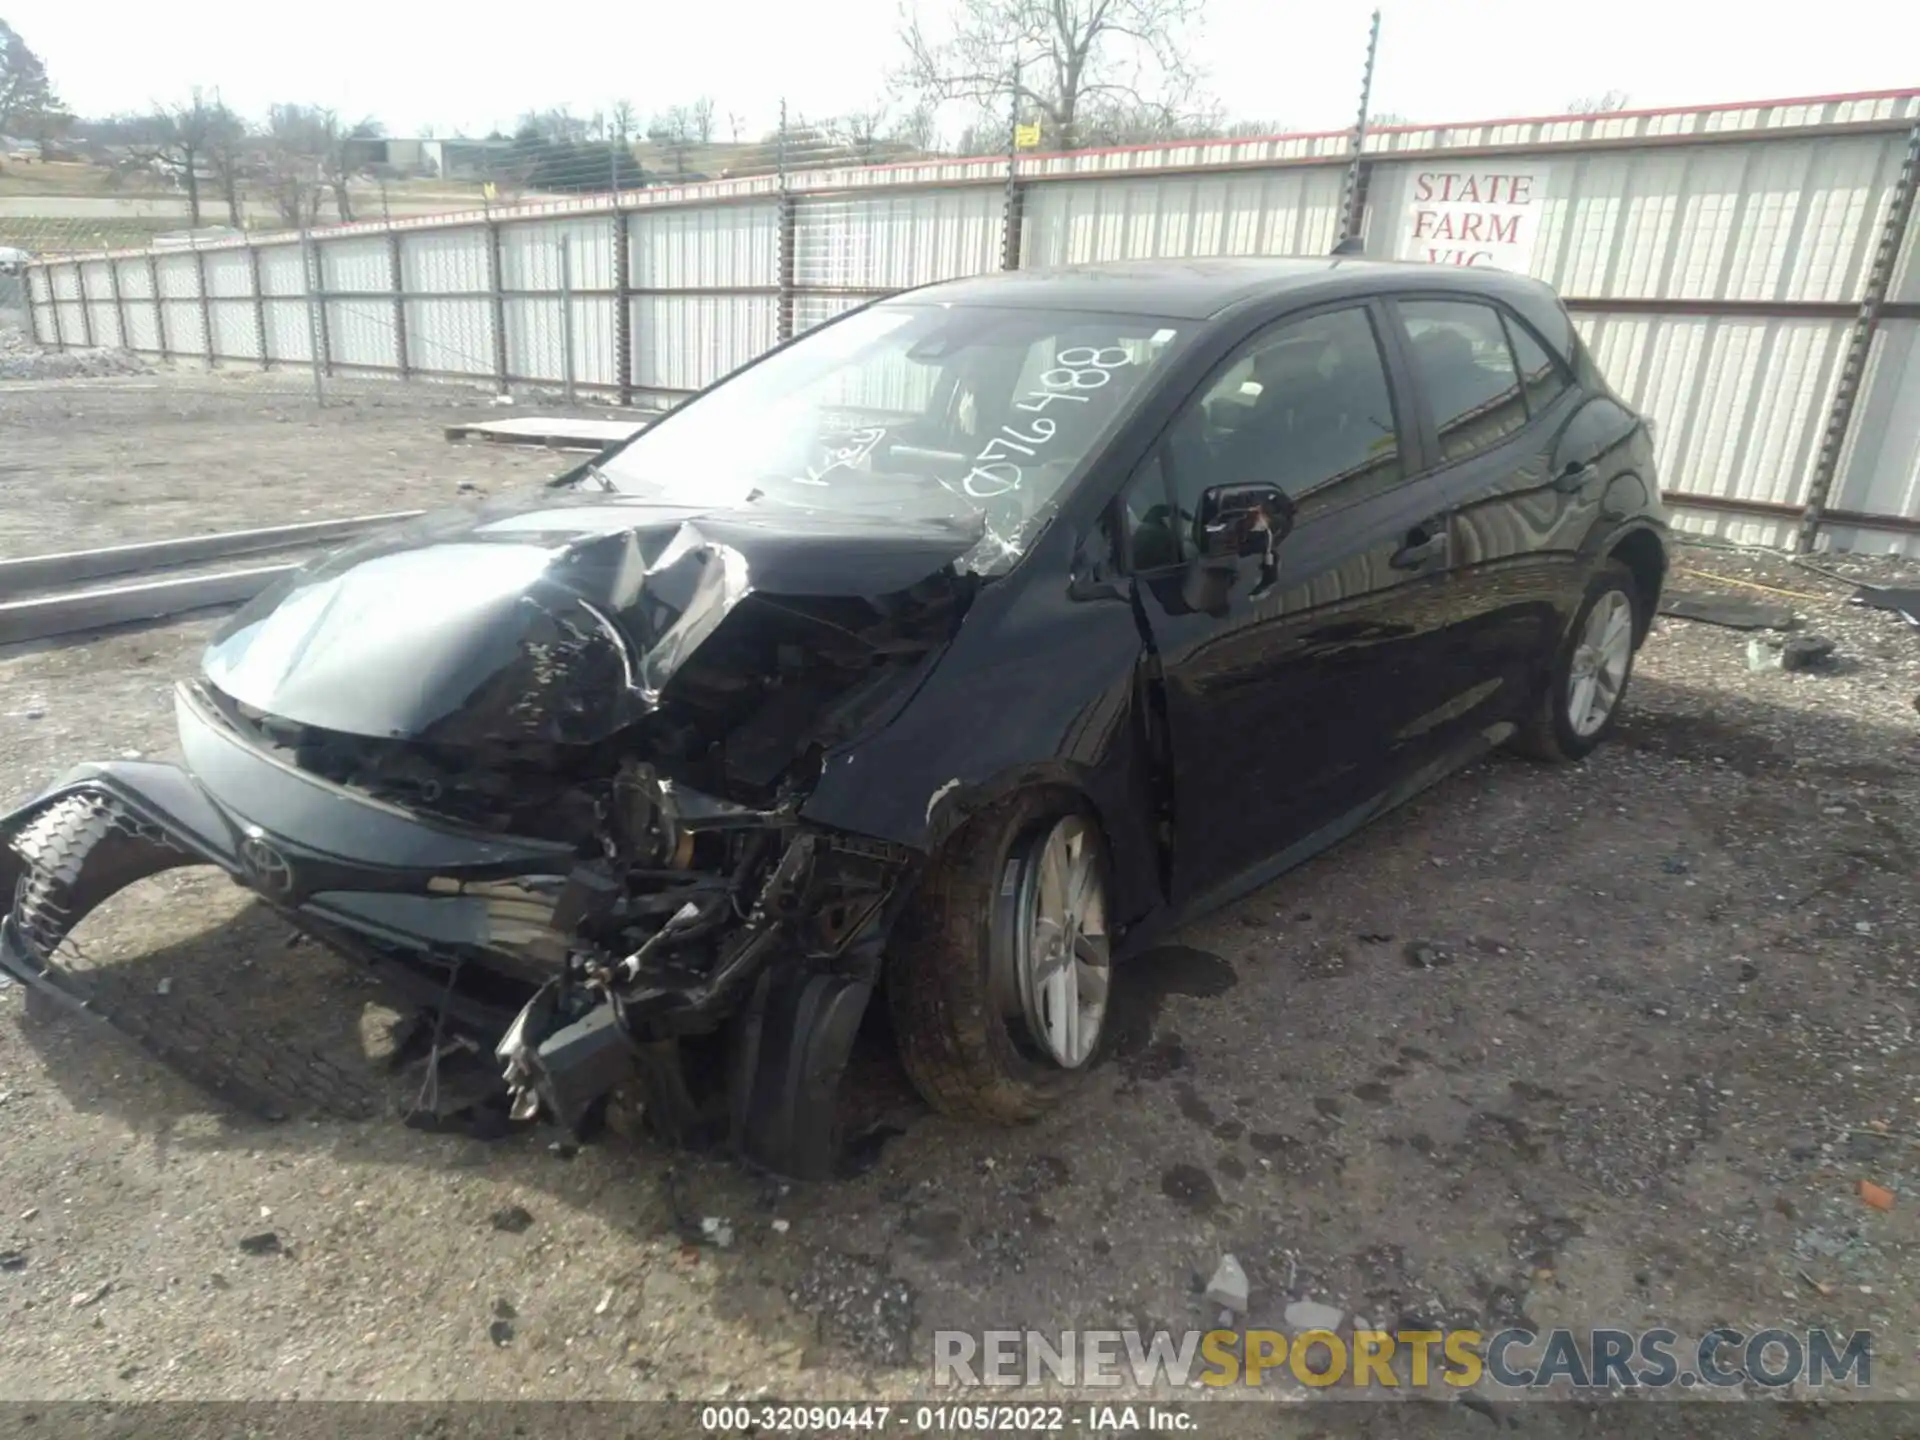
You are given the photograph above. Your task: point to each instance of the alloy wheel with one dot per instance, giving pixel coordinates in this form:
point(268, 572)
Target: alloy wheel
point(1600, 660)
point(1062, 959)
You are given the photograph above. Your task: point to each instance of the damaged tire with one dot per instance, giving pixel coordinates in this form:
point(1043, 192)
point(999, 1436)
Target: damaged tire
point(998, 974)
point(1589, 675)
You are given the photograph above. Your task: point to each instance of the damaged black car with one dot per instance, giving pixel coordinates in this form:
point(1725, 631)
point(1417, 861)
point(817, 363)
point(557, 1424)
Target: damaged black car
point(949, 653)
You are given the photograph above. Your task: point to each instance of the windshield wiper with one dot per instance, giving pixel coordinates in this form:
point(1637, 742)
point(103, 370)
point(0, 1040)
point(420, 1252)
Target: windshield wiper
point(587, 469)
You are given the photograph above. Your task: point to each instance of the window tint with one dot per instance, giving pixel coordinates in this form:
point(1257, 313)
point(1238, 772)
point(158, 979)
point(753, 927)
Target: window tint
point(1466, 368)
point(1543, 378)
point(1303, 407)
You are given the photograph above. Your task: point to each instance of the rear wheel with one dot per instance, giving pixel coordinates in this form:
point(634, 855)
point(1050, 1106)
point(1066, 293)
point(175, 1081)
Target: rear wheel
point(1588, 677)
point(999, 970)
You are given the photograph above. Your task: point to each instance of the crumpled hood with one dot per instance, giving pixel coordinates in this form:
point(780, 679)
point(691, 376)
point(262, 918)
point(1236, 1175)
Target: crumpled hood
point(557, 621)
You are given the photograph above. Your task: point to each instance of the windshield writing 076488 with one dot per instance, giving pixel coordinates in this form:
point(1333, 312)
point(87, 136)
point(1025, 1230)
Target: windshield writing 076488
point(1077, 370)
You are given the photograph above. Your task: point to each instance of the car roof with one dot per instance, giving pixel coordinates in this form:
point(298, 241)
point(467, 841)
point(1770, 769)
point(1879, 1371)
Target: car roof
point(1200, 288)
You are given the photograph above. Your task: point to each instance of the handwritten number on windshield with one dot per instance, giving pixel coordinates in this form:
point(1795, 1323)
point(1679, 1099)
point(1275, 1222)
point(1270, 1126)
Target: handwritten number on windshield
point(1076, 368)
point(859, 445)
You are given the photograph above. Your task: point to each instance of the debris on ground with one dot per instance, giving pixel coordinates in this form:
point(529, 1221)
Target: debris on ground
point(267, 1242)
point(13, 1259)
point(21, 358)
point(1312, 1315)
point(512, 1219)
point(719, 1231)
point(1878, 1196)
point(1228, 1287)
point(84, 1298)
point(1798, 652)
point(1727, 611)
point(606, 1301)
point(1902, 600)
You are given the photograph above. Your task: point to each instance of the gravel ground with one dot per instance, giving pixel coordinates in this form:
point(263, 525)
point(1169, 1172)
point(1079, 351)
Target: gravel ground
point(1605, 1045)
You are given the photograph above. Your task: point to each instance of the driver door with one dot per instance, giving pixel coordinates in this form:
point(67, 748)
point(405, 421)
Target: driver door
point(1293, 706)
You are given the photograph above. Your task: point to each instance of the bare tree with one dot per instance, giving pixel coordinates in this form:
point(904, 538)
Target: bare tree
point(1072, 56)
point(673, 131)
point(860, 132)
point(916, 129)
point(558, 126)
point(623, 121)
point(295, 140)
point(227, 146)
point(178, 140)
point(700, 114)
point(1598, 104)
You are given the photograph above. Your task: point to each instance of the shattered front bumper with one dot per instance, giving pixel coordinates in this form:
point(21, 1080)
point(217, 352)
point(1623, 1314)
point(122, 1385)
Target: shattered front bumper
point(366, 877)
point(421, 905)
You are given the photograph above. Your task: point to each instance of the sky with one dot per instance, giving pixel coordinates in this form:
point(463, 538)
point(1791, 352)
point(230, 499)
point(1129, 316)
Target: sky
point(470, 67)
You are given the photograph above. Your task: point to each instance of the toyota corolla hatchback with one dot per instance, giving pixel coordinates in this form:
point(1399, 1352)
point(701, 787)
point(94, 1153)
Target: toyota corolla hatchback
point(948, 653)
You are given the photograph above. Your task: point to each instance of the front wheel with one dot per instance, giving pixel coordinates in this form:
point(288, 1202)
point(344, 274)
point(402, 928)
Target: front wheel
point(998, 973)
point(1589, 674)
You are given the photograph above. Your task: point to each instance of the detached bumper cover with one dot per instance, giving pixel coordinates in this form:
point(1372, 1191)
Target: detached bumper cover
point(336, 862)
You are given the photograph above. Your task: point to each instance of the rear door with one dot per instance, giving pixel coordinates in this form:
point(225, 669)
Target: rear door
point(1494, 404)
point(1289, 709)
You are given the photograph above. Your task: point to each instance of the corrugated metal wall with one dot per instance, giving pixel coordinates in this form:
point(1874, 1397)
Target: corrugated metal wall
point(1714, 259)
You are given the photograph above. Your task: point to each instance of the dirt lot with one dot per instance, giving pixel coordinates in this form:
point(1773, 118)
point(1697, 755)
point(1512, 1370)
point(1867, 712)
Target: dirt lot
point(1608, 1045)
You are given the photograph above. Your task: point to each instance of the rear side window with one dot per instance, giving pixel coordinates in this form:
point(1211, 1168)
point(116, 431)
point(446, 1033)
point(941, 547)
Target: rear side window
point(1466, 369)
point(1543, 378)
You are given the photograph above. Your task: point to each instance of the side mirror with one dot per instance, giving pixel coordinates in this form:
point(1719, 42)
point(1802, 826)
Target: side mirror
point(1237, 521)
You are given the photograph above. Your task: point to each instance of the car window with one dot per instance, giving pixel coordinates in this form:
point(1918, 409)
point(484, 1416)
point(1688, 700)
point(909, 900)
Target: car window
point(1465, 365)
point(1543, 378)
point(1304, 406)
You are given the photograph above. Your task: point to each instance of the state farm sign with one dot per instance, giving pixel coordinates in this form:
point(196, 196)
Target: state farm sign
point(1471, 216)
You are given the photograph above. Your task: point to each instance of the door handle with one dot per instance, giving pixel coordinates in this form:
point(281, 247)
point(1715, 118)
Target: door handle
point(1574, 477)
point(1424, 546)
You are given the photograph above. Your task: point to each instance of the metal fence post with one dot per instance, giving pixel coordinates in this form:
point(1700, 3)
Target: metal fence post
point(259, 303)
point(317, 291)
point(784, 324)
point(499, 306)
point(159, 310)
point(206, 306)
point(53, 304)
point(1015, 202)
point(1353, 192)
point(566, 314)
point(86, 312)
point(316, 329)
point(622, 308)
point(33, 303)
point(1886, 258)
point(394, 261)
point(119, 299)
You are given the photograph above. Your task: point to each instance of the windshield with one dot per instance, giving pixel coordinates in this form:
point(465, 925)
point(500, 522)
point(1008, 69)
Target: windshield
point(909, 409)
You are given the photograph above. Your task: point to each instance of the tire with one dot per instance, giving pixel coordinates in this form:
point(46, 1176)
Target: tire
point(946, 981)
point(1549, 734)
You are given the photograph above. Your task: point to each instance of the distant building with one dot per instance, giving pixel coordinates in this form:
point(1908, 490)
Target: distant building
point(455, 159)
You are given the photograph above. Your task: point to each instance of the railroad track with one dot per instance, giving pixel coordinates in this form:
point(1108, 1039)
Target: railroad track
point(51, 597)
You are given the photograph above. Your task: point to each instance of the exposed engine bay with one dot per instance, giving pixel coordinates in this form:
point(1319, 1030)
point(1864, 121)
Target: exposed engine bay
point(647, 883)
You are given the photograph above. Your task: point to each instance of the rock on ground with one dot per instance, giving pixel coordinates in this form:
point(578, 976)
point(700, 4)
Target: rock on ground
point(22, 358)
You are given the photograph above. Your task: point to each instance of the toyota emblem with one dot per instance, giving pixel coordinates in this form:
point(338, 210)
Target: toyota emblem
point(266, 867)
